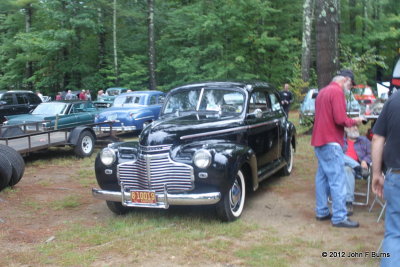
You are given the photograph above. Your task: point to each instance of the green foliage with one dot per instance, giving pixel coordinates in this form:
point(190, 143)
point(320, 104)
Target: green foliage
point(360, 64)
point(69, 43)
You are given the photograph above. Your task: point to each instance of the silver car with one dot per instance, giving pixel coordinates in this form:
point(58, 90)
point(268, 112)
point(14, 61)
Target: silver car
point(307, 108)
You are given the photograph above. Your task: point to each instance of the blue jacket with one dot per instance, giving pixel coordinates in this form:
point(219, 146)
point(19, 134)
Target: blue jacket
point(362, 146)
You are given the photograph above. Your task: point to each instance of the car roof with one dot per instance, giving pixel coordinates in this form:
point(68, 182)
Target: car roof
point(15, 91)
point(68, 101)
point(246, 85)
point(142, 92)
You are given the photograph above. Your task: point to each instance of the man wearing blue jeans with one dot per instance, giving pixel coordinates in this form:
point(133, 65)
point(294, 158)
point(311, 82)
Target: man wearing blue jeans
point(328, 139)
point(385, 151)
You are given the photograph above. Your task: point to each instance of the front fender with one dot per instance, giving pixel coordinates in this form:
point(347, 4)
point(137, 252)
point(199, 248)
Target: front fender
point(227, 160)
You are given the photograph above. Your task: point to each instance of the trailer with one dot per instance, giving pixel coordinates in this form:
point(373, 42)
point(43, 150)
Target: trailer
point(17, 141)
point(31, 137)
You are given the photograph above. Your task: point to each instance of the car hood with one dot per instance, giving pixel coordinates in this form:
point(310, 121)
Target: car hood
point(26, 118)
point(177, 129)
point(121, 109)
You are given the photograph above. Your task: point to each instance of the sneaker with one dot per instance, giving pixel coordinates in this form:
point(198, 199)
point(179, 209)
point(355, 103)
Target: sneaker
point(349, 207)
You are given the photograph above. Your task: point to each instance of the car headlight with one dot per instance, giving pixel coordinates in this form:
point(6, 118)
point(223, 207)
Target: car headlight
point(202, 159)
point(107, 156)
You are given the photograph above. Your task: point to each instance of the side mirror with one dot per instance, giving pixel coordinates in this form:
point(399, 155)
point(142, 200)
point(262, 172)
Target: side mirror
point(2, 103)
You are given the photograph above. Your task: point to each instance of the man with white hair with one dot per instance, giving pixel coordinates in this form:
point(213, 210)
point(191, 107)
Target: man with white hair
point(327, 139)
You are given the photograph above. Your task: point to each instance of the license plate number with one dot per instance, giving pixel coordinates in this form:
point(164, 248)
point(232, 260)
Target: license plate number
point(143, 196)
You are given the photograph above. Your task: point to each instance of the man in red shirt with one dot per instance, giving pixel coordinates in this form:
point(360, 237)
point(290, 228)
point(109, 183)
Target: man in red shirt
point(82, 95)
point(327, 139)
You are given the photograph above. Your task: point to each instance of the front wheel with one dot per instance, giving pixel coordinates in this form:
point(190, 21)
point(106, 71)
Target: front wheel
point(231, 205)
point(117, 207)
point(85, 145)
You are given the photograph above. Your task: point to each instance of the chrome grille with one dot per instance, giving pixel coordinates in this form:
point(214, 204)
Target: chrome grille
point(161, 148)
point(154, 172)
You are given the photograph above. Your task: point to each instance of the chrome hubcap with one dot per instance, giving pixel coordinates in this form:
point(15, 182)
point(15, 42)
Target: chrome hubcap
point(235, 195)
point(87, 144)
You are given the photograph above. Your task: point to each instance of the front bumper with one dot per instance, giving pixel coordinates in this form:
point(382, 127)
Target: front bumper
point(163, 200)
point(121, 128)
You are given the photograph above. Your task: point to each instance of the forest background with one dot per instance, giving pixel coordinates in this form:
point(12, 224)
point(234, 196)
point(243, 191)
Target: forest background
point(56, 45)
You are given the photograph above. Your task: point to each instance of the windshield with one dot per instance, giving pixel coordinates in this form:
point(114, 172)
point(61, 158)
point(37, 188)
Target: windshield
point(114, 92)
point(50, 109)
point(220, 100)
point(127, 100)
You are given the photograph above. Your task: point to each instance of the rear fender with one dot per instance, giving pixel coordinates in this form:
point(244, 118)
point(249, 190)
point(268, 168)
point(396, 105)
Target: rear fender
point(289, 138)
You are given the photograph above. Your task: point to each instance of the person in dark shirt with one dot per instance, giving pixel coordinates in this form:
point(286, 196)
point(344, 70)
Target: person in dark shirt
point(328, 139)
point(286, 98)
point(385, 151)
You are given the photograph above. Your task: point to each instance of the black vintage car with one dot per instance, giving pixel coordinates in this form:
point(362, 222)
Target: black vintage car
point(213, 142)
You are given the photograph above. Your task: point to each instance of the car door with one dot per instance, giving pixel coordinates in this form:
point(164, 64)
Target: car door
point(22, 106)
point(84, 113)
point(263, 130)
point(277, 114)
point(155, 103)
point(9, 106)
point(68, 119)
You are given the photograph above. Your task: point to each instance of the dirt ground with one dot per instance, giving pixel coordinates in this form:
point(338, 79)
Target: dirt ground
point(283, 203)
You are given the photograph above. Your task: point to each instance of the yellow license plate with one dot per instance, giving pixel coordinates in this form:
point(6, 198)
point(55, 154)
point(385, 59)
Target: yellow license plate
point(143, 196)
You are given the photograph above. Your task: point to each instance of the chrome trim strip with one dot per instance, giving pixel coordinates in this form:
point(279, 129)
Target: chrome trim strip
point(116, 128)
point(200, 98)
point(163, 200)
point(165, 147)
point(142, 118)
point(241, 128)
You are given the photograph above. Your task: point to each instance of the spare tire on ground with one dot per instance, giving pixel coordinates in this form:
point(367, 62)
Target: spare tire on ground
point(5, 172)
point(17, 163)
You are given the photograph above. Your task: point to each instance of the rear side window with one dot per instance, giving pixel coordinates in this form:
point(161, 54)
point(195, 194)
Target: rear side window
point(153, 100)
point(33, 99)
point(21, 99)
point(8, 98)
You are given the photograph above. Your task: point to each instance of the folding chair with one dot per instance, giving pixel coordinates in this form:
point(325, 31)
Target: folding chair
point(381, 203)
point(363, 193)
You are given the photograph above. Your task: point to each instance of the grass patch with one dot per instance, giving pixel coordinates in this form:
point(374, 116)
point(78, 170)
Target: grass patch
point(143, 234)
point(68, 202)
point(33, 205)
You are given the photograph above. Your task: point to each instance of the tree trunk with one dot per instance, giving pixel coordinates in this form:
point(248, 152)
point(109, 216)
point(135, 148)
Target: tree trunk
point(327, 40)
point(308, 16)
point(152, 50)
point(102, 39)
point(28, 64)
point(115, 42)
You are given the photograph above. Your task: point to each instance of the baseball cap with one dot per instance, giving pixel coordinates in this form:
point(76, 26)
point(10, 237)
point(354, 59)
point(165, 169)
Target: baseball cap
point(348, 73)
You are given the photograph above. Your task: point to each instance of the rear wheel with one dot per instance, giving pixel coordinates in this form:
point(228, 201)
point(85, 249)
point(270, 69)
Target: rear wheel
point(231, 205)
point(16, 161)
point(287, 170)
point(85, 145)
point(117, 207)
